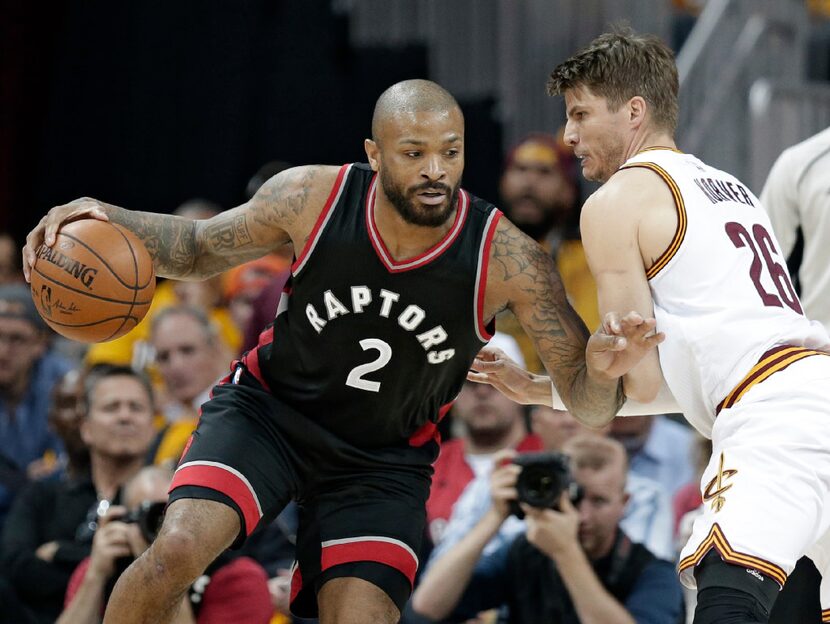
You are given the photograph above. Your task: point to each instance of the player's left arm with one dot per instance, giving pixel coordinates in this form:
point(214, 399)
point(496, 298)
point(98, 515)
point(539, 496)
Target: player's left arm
point(523, 278)
point(618, 225)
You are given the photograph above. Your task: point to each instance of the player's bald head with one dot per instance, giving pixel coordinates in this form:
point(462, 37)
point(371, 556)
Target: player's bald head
point(411, 96)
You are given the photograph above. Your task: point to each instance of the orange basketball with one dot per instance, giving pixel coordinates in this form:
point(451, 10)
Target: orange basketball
point(95, 283)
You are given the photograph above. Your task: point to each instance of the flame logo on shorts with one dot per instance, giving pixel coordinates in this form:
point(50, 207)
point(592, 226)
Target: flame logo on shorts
point(715, 489)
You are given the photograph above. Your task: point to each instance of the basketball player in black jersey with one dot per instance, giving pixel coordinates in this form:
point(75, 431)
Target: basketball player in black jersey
point(398, 275)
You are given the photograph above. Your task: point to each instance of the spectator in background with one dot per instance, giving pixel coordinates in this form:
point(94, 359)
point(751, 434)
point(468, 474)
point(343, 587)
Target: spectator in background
point(485, 421)
point(658, 448)
point(66, 413)
point(572, 564)
point(539, 194)
point(190, 361)
point(648, 518)
point(232, 589)
point(49, 529)
point(242, 287)
point(797, 199)
point(28, 372)
point(554, 426)
point(10, 272)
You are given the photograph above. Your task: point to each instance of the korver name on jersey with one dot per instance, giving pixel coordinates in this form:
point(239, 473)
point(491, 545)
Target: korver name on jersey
point(723, 190)
point(410, 317)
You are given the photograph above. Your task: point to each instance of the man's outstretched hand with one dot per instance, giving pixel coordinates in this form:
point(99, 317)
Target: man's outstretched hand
point(620, 343)
point(493, 366)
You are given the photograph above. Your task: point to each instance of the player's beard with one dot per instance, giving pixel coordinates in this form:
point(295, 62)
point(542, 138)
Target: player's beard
point(612, 156)
point(414, 212)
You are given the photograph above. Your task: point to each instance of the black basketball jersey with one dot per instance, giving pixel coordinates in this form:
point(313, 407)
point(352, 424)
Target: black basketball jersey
point(373, 349)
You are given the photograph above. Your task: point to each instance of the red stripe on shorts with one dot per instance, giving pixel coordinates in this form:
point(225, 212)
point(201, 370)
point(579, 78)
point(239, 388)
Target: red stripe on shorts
point(221, 479)
point(392, 553)
point(296, 584)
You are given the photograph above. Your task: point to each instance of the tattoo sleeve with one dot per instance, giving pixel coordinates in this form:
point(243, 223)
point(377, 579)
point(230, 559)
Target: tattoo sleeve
point(170, 240)
point(186, 249)
point(535, 294)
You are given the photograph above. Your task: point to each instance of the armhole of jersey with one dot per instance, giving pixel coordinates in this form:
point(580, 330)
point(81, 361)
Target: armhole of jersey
point(323, 219)
point(483, 333)
point(680, 232)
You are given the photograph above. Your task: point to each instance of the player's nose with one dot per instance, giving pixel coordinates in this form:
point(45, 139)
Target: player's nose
point(570, 136)
point(433, 168)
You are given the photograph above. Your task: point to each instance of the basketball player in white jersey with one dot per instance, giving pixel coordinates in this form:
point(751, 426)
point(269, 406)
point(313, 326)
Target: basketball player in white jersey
point(673, 238)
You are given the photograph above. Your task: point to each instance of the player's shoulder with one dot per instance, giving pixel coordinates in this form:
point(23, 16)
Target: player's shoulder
point(298, 193)
point(307, 178)
point(630, 190)
point(619, 196)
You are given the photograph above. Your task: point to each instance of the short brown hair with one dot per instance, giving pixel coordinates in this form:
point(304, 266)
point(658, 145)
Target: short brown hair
point(596, 452)
point(621, 65)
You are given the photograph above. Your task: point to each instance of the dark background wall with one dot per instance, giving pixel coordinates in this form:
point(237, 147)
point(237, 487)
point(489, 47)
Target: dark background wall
point(146, 104)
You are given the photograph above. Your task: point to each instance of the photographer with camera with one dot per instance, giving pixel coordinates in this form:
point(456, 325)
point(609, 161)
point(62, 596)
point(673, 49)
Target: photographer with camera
point(573, 564)
point(231, 590)
point(50, 528)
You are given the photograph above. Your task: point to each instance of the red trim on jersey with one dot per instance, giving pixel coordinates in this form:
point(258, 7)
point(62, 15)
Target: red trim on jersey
point(429, 431)
point(221, 479)
point(251, 362)
point(296, 584)
point(187, 445)
point(312, 238)
point(368, 549)
point(398, 266)
point(482, 279)
point(266, 336)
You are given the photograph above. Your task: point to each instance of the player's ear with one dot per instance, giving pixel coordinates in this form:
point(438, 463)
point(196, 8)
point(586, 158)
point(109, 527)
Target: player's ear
point(636, 110)
point(372, 153)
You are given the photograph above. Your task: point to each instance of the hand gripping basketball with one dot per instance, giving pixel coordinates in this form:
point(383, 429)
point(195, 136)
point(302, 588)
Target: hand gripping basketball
point(91, 280)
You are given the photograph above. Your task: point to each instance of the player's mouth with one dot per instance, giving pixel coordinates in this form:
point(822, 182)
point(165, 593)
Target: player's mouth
point(432, 198)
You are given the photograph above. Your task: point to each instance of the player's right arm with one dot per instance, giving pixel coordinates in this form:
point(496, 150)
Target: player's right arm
point(523, 278)
point(282, 212)
point(493, 366)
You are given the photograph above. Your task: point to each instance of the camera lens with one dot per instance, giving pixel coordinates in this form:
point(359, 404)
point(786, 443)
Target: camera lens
point(539, 487)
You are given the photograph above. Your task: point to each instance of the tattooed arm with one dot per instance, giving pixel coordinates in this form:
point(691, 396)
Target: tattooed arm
point(282, 211)
point(523, 278)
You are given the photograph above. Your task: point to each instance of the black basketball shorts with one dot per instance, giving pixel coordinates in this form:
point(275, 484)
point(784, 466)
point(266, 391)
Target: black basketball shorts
point(361, 511)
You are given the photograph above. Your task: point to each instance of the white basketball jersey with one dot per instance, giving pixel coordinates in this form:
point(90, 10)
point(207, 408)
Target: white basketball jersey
point(721, 291)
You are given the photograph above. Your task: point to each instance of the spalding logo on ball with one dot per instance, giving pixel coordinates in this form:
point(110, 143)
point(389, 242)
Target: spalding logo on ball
point(95, 283)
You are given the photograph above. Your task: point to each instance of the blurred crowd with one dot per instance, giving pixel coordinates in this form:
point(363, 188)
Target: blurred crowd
point(90, 434)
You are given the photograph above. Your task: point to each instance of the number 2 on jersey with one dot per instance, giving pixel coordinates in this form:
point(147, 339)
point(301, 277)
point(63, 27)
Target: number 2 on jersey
point(355, 378)
point(740, 237)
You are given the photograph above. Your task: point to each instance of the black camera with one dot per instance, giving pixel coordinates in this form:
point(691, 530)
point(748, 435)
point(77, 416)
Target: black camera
point(543, 478)
point(148, 516)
